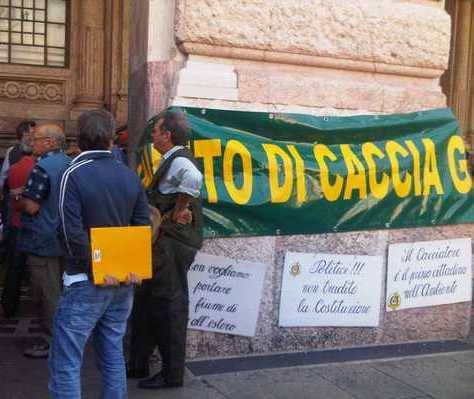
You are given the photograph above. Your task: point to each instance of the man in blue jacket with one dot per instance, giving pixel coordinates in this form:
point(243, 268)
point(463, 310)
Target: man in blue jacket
point(40, 221)
point(96, 191)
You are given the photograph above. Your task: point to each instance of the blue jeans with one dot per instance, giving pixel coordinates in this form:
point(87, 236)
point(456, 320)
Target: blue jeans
point(84, 310)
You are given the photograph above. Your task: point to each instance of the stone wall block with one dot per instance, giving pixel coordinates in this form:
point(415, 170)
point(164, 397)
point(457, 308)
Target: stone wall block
point(401, 100)
point(200, 91)
point(431, 233)
point(254, 249)
point(308, 89)
point(380, 31)
point(427, 324)
point(207, 80)
point(269, 337)
point(307, 338)
point(349, 90)
point(230, 23)
point(208, 74)
point(434, 322)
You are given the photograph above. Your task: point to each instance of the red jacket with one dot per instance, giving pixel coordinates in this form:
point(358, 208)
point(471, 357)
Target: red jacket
point(17, 177)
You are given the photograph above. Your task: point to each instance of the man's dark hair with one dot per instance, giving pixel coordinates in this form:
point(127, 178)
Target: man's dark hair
point(96, 130)
point(24, 127)
point(176, 123)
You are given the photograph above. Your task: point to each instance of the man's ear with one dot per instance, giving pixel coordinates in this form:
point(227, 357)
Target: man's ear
point(168, 134)
point(49, 143)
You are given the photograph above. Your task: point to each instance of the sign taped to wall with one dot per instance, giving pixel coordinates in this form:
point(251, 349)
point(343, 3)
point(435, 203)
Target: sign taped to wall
point(331, 290)
point(429, 273)
point(224, 294)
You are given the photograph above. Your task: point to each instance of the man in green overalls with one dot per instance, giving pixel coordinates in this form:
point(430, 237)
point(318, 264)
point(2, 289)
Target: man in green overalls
point(161, 305)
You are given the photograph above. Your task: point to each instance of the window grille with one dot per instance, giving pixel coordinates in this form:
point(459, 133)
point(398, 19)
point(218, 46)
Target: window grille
point(34, 32)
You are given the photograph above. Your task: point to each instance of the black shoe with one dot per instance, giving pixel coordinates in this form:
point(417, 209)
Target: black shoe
point(37, 351)
point(158, 382)
point(138, 373)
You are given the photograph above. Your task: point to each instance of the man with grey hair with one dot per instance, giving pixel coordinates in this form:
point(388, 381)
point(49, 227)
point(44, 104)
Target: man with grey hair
point(40, 222)
point(161, 313)
point(96, 191)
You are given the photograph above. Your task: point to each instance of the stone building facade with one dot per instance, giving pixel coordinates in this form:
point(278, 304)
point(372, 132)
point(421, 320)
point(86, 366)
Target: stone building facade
point(320, 57)
point(315, 57)
point(59, 58)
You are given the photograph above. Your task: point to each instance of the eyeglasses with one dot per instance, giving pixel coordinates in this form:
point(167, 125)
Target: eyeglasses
point(41, 138)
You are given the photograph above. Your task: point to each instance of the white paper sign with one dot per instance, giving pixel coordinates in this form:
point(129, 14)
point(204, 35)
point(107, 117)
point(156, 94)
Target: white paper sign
point(429, 273)
point(331, 290)
point(224, 294)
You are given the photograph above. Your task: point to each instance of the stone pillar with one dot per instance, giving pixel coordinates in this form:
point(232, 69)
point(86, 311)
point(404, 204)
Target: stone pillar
point(116, 59)
point(90, 46)
point(460, 72)
point(121, 108)
point(154, 61)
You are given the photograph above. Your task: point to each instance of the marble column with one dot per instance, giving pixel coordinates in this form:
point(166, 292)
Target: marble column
point(116, 59)
point(90, 51)
point(458, 82)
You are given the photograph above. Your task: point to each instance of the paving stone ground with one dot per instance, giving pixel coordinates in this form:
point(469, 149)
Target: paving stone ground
point(438, 376)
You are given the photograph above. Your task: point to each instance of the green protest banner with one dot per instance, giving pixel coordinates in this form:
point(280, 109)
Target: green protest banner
point(268, 174)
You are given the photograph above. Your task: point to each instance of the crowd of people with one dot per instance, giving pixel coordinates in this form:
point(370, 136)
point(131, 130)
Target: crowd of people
point(51, 200)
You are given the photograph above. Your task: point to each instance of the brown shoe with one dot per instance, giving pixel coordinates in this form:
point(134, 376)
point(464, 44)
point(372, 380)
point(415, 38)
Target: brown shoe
point(37, 351)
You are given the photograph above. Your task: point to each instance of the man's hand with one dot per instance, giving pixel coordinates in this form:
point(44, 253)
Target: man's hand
point(16, 191)
point(15, 195)
point(181, 213)
point(29, 206)
point(110, 281)
point(182, 216)
point(134, 279)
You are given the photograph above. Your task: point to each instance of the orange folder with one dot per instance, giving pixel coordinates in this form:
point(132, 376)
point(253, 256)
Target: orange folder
point(118, 251)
